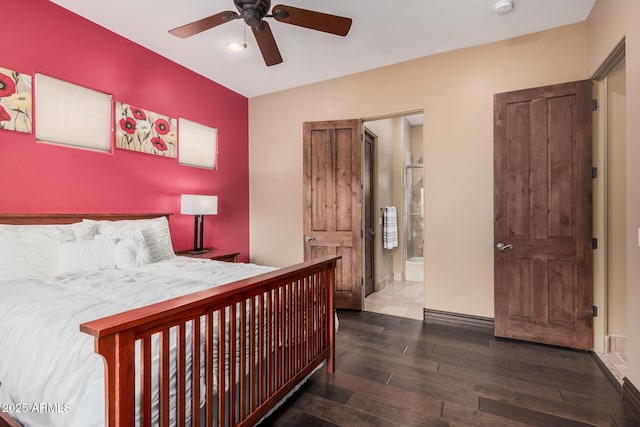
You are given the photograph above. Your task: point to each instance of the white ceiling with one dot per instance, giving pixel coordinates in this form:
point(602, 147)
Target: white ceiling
point(384, 32)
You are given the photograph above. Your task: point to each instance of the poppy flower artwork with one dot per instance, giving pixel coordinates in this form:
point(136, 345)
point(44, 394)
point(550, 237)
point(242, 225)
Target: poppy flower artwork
point(144, 131)
point(15, 101)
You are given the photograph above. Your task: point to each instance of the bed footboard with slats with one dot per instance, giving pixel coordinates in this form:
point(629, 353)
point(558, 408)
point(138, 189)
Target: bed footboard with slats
point(220, 357)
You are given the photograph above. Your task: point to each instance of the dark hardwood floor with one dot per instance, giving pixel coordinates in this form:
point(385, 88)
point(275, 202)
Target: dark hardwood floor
point(392, 371)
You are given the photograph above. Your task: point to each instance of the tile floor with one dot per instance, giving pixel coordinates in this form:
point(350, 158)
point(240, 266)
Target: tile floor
point(404, 299)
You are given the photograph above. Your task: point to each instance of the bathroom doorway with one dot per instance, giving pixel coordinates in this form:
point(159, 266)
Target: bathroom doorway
point(398, 174)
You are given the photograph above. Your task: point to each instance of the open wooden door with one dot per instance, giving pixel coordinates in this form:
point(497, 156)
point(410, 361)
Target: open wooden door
point(368, 211)
point(333, 203)
point(542, 206)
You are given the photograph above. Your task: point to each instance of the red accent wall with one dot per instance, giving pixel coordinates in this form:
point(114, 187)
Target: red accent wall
point(39, 36)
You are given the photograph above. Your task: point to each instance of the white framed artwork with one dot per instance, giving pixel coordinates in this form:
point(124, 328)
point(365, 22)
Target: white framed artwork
point(197, 144)
point(72, 115)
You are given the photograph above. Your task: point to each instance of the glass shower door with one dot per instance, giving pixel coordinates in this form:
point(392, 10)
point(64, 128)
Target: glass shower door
point(414, 194)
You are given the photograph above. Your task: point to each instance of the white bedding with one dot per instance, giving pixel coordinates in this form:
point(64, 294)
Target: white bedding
point(48, 368)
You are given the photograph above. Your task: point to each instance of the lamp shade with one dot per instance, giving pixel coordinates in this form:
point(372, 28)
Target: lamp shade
point(198, 204)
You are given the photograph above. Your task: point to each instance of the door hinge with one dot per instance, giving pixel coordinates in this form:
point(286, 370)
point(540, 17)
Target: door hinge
point(594, 243)
point(594, 172)
point(595, 311)
point(594, 105)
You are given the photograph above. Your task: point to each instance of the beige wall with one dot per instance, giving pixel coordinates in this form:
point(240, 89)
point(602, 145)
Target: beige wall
point(609, 22)
point(455, 91)
point(416, 144)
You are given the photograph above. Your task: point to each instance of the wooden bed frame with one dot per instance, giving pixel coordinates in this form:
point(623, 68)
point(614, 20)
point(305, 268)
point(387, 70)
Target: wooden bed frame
point(276, 329)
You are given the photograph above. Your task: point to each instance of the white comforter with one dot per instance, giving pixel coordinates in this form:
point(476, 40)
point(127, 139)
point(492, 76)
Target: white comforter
point(49, 372)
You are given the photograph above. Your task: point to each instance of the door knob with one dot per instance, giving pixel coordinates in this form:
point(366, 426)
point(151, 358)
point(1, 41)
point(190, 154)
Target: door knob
point(501, 246)
point(309, 238)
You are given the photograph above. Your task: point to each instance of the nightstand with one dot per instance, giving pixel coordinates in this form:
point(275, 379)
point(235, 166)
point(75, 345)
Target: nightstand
point(211, 254)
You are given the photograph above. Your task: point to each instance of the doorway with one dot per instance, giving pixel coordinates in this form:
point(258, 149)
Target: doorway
point(398, 175)
point(354, 178)
point(610, 327)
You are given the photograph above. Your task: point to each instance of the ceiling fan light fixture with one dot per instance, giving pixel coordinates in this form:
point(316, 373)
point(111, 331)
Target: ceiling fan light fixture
point(503, 6)
point(236, 46)
point(252, 14)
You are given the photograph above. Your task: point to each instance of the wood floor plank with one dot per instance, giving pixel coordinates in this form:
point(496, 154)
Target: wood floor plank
point(393, 395)
point(439, 335)
point(497, 380)
point(589, 377)
point(341, 415)
point(329, 391)
point(437, 387)
point(459, 416)
point(379, 374)
point(293, 417)
point(543, 354)
point(613, 406)
point(408, 353)
point(398, 364)
point(372, 318)
point(414, 416)
point(535, 354)
point(374, 341)
point(359, 326)
point(560, 409)
point(526, 415)
point(394, 337)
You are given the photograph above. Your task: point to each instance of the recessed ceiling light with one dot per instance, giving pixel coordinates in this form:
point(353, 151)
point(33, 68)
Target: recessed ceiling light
point(503, 6)
point(236, 47)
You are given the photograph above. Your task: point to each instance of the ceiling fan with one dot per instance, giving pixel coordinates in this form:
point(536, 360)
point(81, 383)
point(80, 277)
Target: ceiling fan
point(253, 12)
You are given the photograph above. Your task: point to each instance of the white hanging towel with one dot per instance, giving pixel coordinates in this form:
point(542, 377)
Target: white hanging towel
point(389, 227)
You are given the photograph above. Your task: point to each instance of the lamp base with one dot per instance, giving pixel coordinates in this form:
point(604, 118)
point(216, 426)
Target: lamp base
point(198, 252)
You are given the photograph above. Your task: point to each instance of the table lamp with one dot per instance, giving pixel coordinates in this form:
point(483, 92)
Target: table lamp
point(198, 205)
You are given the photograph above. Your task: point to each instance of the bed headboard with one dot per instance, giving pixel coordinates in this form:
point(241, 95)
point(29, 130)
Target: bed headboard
point(70, 218)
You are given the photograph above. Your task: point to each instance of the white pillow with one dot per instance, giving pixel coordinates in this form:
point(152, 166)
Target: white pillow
point(116, 237)
point(156, 233)
point(83, 230)
point(32, 250)
point(13, 258)
point(131, 253)
point(84, 256)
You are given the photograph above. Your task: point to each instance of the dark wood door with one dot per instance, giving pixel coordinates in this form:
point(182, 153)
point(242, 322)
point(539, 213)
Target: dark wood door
point(542, 213)
point(369, 212)
point(333, 203)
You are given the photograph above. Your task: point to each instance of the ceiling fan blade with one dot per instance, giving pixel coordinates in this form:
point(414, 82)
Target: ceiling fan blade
point(204, 24)
point(267, 44)
point(338, 25)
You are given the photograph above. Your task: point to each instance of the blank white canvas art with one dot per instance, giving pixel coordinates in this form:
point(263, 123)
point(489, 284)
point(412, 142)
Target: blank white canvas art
point(197, 144)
